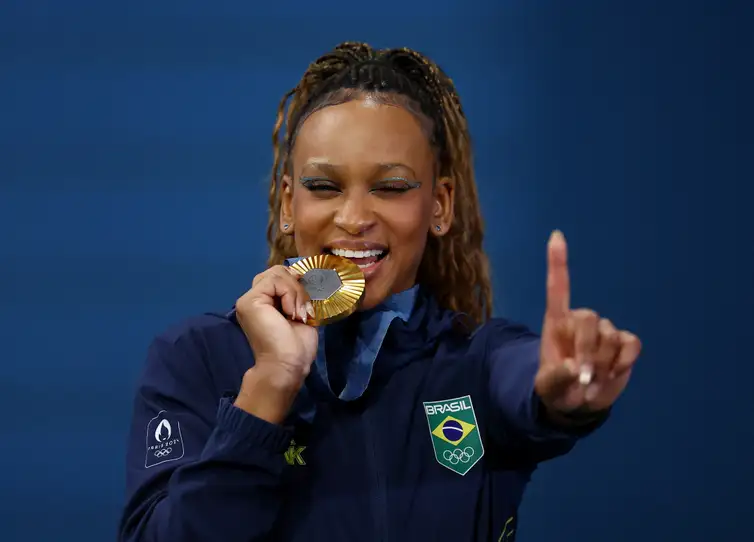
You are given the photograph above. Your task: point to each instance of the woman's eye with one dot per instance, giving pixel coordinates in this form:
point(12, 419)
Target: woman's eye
point(396, 186)
point(322, 188)
point(319, 185)
point(393, 188)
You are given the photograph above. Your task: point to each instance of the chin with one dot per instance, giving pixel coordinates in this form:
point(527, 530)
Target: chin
point(381, 283)
point(373, 296)
point(370, 302)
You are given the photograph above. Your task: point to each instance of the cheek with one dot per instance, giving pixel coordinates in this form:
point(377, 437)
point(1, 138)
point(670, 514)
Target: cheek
point(409, 225)
point(312, 217)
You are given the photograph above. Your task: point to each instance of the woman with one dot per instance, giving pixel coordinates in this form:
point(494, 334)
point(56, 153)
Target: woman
point(417, 418)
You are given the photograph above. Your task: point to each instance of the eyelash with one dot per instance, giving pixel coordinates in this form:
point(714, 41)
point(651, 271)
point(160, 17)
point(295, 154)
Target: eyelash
point(316, 184)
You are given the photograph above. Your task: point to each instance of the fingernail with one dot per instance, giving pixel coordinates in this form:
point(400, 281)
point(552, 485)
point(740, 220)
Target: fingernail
point(302, 313)
point(557, 236)
point(568, 364)
point(591, 391)
point(585, 374)
point(310, 308)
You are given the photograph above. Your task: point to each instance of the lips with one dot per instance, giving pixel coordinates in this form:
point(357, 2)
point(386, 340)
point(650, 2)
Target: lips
point(362, 258)
point(368, 259)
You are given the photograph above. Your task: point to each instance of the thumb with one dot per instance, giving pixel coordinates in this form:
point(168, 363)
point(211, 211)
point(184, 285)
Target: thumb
point(553, 380)
point(309, 337)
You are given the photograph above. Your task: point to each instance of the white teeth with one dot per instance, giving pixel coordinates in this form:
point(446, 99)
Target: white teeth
point(356, 253)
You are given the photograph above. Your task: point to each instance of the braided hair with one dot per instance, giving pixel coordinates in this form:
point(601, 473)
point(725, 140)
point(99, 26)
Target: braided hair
point(454, 267)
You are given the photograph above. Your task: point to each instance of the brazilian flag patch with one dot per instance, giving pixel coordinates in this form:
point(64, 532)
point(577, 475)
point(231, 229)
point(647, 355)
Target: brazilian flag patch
point(455, 434)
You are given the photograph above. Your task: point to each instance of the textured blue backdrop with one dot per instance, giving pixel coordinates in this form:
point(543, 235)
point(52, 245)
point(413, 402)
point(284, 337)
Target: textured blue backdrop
point(134, 146)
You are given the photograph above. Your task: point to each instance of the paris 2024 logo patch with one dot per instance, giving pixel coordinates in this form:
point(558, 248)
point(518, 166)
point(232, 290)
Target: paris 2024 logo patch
point(164, 440)
point(455, 433)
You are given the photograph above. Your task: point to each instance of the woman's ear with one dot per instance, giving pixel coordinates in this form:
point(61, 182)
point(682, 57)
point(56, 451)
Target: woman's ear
point(443, 206)
point(286, 205)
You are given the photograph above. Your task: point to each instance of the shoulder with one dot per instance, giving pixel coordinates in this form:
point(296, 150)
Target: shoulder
point(501, 331)
point(497, 332)
point(210, 344)
point(498, 336)
point(489, 341)
point(197, 332)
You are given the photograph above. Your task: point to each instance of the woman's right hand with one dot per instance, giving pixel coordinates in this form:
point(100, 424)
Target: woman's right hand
point(284, 348)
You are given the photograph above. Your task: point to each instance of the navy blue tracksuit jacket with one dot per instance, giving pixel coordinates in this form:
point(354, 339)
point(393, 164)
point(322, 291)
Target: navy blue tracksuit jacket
point(440, 447)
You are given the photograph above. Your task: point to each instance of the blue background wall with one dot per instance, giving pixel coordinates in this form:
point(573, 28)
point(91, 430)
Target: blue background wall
point(133, 160)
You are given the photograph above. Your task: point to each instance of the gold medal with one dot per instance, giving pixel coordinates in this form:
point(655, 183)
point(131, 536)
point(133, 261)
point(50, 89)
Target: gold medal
point(334, 284)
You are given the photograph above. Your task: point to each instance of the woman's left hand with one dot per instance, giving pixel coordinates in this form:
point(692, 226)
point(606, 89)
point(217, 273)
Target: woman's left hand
point(585, 362)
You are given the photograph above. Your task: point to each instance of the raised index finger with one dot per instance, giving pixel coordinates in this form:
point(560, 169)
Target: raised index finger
point(558, 281)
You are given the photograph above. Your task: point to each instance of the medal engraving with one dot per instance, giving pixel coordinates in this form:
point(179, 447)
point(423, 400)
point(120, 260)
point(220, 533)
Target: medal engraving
point(320, 284)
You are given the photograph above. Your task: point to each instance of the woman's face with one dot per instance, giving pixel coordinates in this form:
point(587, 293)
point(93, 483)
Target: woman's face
point(363, 187)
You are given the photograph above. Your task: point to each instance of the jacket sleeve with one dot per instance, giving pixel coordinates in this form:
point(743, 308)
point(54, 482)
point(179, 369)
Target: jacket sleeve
point(519, 426)
point(198, 468)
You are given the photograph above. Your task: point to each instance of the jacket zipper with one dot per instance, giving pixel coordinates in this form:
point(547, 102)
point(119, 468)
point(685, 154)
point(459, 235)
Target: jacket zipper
point(379, 493)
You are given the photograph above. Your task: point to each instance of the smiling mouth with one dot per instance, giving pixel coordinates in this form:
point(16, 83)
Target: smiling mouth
point(363, 258)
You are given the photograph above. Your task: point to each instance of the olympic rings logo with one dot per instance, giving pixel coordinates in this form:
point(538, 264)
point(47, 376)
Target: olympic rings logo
point(458, 455)
point(163, 452)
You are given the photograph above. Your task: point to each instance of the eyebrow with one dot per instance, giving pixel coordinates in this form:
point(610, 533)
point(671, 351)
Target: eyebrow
point(332, 169)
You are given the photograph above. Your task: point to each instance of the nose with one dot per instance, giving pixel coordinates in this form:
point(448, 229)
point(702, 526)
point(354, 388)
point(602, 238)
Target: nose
point(355, 216)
